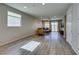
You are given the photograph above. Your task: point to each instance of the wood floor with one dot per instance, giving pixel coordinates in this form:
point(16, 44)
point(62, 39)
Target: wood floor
point(51, 44)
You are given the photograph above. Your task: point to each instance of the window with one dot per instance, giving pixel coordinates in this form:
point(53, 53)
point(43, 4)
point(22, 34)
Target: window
point(54, 26)
point(47, 25)
point(14, 19)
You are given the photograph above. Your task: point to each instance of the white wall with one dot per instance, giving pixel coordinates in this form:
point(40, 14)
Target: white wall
point(38, 23)
point(9, 34)
point(69, 25)
point(73, 27)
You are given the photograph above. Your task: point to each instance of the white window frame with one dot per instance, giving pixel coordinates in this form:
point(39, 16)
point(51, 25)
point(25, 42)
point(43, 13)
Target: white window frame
point(16, 17)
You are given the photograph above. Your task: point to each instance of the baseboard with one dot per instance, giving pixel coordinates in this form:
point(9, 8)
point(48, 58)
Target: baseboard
point(75, 50)
point(16, 39)
point(72, 47)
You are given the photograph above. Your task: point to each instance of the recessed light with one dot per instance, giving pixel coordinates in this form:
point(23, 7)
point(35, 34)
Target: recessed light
point(43, 3)
point(25, 6)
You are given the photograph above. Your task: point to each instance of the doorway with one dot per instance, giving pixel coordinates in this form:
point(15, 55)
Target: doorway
point(54, 26)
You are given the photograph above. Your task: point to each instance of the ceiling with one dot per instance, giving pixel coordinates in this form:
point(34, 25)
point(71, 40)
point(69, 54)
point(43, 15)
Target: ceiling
point(38, 10)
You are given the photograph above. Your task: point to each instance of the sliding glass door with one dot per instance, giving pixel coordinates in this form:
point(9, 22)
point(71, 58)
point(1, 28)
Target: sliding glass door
point(54, 26)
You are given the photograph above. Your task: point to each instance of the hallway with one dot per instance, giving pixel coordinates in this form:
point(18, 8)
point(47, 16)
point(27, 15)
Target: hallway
point(51, 44)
